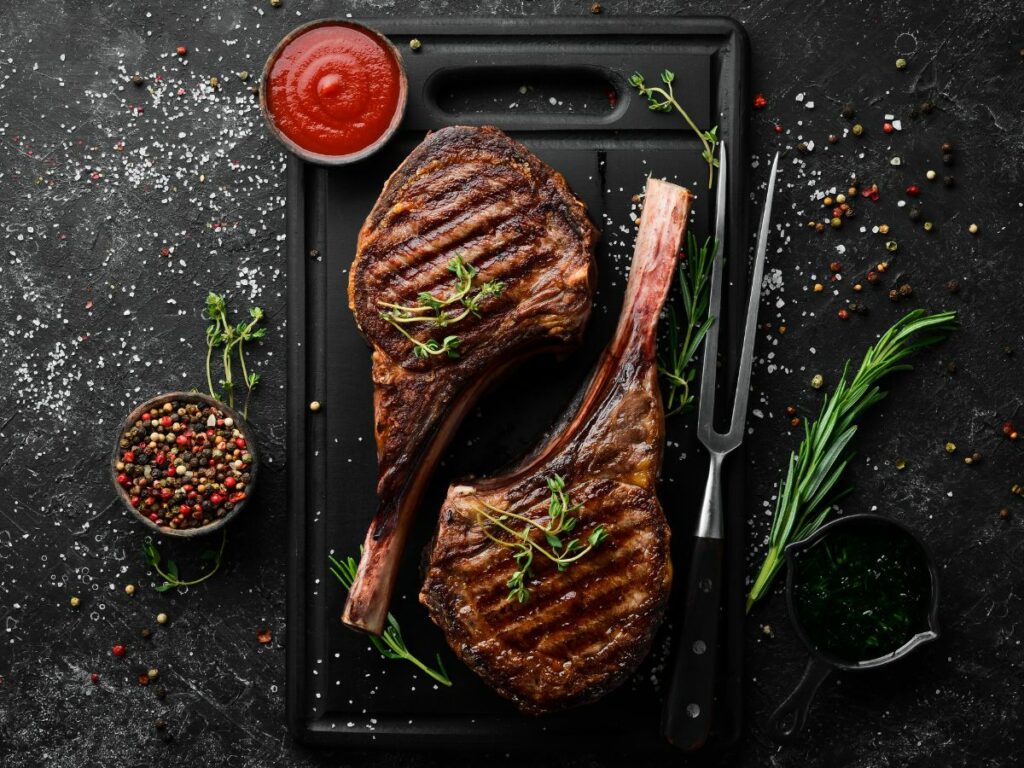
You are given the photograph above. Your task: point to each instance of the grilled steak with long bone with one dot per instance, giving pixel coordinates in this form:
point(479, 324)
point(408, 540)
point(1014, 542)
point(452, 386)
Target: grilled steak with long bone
point(581, 631)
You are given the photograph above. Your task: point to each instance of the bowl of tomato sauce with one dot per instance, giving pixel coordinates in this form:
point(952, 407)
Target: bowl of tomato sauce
point(333, 91)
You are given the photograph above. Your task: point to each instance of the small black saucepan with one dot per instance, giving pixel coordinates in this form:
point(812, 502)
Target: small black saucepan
point(788, 720)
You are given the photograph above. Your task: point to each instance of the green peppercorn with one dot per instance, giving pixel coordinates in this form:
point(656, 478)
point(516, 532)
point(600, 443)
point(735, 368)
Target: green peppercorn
point(929, 226)
point(415, 44)
point(857, 129)
point(901, 63)
point(891, 246)
point(817, 381)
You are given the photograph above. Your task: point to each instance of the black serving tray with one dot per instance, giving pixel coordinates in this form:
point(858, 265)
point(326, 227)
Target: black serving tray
point(560, 86)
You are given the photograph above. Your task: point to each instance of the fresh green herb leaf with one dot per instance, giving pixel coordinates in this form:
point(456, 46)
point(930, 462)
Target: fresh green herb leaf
point(390, 644)
point(686, 331)
point(662, 100)
point(170, 573)
point(807, 493)
point(231, 340)
point(560, 521)
point(438, 312)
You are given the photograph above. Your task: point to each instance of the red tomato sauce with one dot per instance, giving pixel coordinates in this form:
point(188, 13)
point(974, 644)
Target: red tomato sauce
point(334, 89)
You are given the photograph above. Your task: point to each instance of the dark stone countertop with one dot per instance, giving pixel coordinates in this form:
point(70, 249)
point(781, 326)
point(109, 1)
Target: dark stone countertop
point(94, 319)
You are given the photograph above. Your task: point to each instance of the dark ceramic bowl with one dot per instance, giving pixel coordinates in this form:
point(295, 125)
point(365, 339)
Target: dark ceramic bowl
point(186, 397)
point(316, 157)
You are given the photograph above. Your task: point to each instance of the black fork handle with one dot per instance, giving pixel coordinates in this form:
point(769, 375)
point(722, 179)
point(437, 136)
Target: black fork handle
point(686, 718)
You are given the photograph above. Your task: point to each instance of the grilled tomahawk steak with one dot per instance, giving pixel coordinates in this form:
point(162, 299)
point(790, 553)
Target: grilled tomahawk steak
point(582, 631)
point(476, 194)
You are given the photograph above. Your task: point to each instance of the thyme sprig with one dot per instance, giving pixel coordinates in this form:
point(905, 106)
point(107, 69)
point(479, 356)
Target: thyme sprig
point(391, 645)
point(441, 312)
point(231, 339)
point(806, 495)
point(560, 522)
point(686, 332)
point(169, 573)
point(661, 100)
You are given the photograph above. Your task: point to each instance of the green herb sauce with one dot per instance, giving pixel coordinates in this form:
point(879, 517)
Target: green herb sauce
point(862, 591)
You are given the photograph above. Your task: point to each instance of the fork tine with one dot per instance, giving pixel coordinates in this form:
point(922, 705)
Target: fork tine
point(706, 412)
point(739, 406)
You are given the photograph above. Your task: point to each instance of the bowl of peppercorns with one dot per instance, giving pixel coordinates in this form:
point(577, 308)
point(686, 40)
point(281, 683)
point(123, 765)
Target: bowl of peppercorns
point(184, 463)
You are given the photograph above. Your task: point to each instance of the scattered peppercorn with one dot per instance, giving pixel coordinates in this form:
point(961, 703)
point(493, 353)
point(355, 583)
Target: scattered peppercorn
point(891, 246)
point(1004, 514)
point(973, 229)
point(129, 589)
point(1009, 430)
point(833, 138)
point(930, 175)
point(856, 306)
point(95, 677)
point(817, 381)
point(894, 295)
point(146, 633)
point(803, 148)
point(818, 287)
point(794, 422)
point(947, 147)
point(927, 107)
point(901, 464)
point(243, 75)
point(836, 222)
point(263, 636)
point(791, 410)
point(154, 673)
point(760, 102)
point(178, 457)
point(872, 276)
point(950, 448)
point(75, 601)
point(767, 630)
point(901, 63)
point(182, 50)
point(883, 229)
point(858, 287)
point(275, 3)
point(929, 226)
point(887, 127)
point(161, 618)
point(848, 111)
point(953, 286)
point(1017, 490)
point(314, 406)
point(906, 290)
point(415, 44)
point(843, 314)
point(974, 458)
point(215, 82)
point(857, 129)
point(143, 678)
point(835, 266)
point(595, 8)
point(118, 650)
point(138, 80)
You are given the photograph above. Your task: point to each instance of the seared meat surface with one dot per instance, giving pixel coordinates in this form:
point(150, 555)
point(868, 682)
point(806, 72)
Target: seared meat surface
point(476, 195)
point(582, 631)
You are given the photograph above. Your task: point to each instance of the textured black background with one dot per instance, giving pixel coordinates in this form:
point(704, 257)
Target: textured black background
point(83, 220)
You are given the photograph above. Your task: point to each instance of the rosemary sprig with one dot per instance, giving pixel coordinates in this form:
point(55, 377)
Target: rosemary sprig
point(686, 333)
point(390, 644)
point(560, 521)
point(231, 339)
point(442, 312)
point(806, 495)
point(169, 573)
point(662, 100)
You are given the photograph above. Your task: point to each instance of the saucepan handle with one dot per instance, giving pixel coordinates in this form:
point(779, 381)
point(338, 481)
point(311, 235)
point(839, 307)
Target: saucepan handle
point(788, 720)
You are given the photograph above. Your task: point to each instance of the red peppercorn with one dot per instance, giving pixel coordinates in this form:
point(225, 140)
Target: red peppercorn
point(166, 421)
point(236, 497)
point(230, 482)
point(240, 442)
point(154, 516)
point(835, 266)
point(760, 102)
point(872, 276)
point(913, 190)
point(166, 493)
point(128, 457)
point(778, 127)
point(95, 678)
point(1009, 430)
point(181, 440)
point(119, 650)
point(216, 499)
point(135, 501)
point(122, 479)
point(843, 314)
point(182, 50)
point(160, 459)
point(887, 127)
point(146, 416)
point(791, 410)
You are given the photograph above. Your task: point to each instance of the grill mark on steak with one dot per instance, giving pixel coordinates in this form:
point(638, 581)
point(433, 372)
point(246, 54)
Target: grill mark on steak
point(476, 192)
point(583, 631)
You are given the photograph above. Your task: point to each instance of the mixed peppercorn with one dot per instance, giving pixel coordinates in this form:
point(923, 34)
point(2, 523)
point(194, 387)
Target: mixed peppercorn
point(184, 465)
